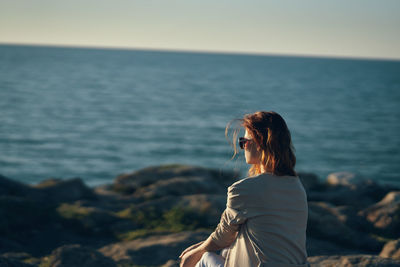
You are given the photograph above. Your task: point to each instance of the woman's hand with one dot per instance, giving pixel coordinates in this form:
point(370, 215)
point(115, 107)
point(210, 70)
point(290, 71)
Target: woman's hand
point(193, 254)
point(191, 257)
point(190, 248)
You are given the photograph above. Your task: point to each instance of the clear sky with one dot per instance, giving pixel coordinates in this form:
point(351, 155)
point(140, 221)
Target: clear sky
point(358, 28)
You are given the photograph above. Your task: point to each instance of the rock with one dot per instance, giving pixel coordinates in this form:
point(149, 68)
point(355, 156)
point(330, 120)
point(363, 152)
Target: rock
point(317, 247)
point(70, 190)
point(344, 178)
point(171, 263)
point(16, 255)
point(20, 215)
point(179, 186)
point(159, 201)
point(154, 250)
point(8, 244)
point(391, 250)
point(385, 214)
point(348, 189)
point(9, 187)
point(359, 260)
point(211, 206)
point(36, 228)
point(22, 258)
point(6, 262)
point(325, 221)
point(107, 191)
point(129, 183)
point(200, 202)
point(160, 204)
point(13, 188)
point(310, 181)
point(94, 220)
point(77, 255)
point(49, 192)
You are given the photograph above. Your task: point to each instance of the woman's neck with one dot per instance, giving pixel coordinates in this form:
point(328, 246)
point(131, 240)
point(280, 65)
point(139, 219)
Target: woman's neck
point(263, 170)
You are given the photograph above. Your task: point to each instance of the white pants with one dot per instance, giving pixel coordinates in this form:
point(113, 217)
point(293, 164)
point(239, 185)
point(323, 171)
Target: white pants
point(211, 259)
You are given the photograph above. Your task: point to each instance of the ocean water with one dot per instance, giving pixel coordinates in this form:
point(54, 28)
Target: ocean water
point(97, 113)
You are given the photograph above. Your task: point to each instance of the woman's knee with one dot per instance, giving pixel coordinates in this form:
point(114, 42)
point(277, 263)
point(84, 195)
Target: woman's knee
point(203, 260)
point(200, 263)
point(210, 259)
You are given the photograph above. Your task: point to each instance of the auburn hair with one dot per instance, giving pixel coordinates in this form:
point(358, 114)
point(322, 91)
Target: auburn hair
point(272, 138)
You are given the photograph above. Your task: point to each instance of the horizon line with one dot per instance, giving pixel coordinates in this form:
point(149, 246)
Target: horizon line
point(194, 51)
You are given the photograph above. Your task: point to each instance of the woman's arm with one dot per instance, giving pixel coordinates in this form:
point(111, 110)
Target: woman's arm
point(206, 245)
point(225, 233)
point(221, 238)
point(193, 254)
point(190, 248)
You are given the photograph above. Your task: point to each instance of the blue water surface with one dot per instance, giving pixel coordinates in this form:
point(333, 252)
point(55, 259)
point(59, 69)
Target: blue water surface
point(97, 113)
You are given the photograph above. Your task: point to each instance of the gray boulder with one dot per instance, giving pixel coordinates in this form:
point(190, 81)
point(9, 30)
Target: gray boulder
point(48, 192)
point(385, 215)
point(349, 189)
point(328, 222)
point(129, 183)
point(69, 190)
point(171, 263)
point(310, 181)
point(7, 262)
point(179, 186)
point(344, 178)
point(9, 187)
point(9, 243)
point(359, 260)
point(94, 220)
point(77, 255)
point(153, 250)
point(19, 214)
point(391, 250)
point(322, 246)
point(20, 258)
point(209, 206)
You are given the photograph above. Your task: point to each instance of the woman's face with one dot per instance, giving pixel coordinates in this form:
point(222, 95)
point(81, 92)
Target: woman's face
point(251, 153)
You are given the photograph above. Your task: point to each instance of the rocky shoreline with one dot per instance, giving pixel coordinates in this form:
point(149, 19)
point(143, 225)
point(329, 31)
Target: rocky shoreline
point(146, 218)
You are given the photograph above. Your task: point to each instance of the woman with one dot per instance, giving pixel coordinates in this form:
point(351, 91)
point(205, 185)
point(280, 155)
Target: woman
point(265, 220)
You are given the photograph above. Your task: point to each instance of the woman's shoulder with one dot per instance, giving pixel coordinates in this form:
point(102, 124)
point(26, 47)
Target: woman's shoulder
point(243, 182)
point(248, 182)
point(261, 180)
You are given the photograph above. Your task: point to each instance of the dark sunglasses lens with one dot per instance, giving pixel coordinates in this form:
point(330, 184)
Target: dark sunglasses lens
point(242, 141)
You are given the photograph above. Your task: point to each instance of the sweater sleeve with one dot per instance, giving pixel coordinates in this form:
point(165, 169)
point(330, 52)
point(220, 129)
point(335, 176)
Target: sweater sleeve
point(233, 216)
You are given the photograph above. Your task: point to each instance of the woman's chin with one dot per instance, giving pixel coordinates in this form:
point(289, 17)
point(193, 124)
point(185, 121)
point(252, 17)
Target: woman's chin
point(251, 162)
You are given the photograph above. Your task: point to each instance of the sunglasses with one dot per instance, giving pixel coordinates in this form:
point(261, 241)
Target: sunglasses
point(243, 141)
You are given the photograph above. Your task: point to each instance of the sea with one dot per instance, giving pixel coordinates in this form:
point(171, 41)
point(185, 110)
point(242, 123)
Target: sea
point(96, 113)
